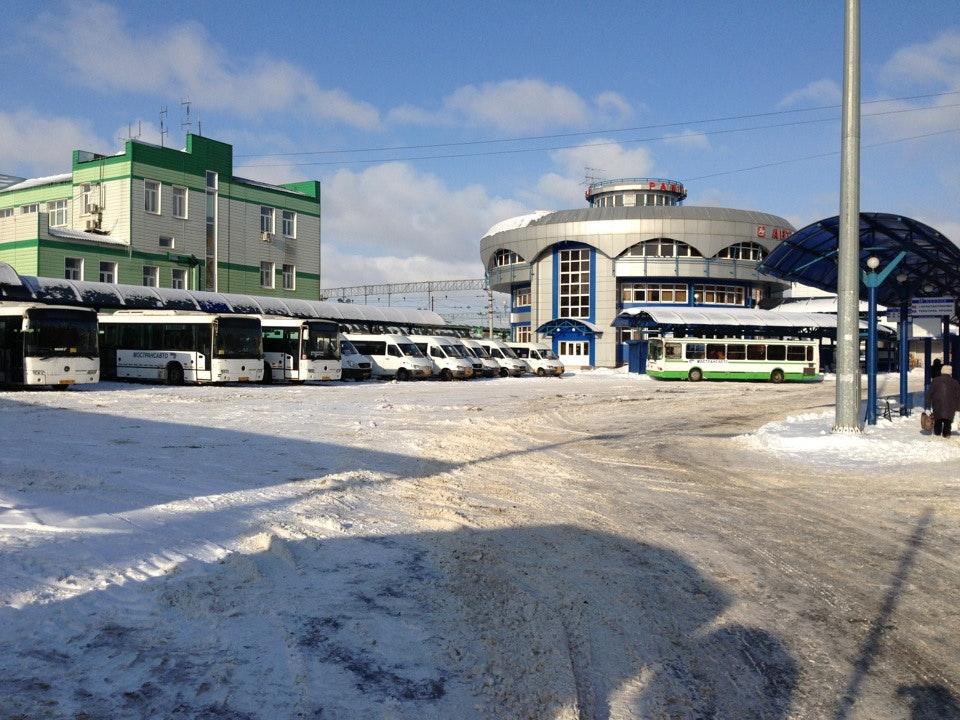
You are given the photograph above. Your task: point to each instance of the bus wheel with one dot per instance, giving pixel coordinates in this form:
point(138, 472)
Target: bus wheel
point(541, 372)
point(403, 375)
point(267, 374)
point(445, 374)
point(504, 372)
point(776, 376)
point(174, 374)
point(695, 375)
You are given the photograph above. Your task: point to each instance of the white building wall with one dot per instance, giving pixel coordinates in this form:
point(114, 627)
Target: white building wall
point(113, 197)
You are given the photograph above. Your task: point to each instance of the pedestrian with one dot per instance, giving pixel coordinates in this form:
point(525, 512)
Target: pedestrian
point(943, 396)
point(936, 368)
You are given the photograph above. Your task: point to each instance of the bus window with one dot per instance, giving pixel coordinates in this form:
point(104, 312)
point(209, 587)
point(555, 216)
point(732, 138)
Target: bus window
point(178, 336)
point(495, 352)
point(673, 351)
point(716, 351)
point(696, 351)
point(656, 351)
point(410, 350)
point(809, 353)
point(756, 352)
point(393, 351)
point(435, 351)
point(776, 352)
point(736, 352)
point(522, 352)
point(795, 352)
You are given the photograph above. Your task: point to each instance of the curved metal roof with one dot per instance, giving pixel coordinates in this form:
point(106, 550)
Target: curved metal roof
point(717, 318)
point(108, 296)
point(931, 263)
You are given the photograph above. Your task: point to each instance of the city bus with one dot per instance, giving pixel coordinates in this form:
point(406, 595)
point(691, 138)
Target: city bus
point(300, 350)
point(180, 346)
point(48, 345)
point(698, 359)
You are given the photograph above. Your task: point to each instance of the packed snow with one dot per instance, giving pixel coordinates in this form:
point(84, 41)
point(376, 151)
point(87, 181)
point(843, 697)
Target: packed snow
point(598, 546)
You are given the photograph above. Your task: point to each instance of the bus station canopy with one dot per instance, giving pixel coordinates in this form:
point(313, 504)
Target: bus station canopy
point(741, 321)
point(930, 266)
point(110, 296)
point(557, 325)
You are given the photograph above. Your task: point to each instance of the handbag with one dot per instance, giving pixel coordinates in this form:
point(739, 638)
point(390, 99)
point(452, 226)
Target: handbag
point(926, 421)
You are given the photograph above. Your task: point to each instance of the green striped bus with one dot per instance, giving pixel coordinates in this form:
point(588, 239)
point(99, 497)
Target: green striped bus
point(698, 359)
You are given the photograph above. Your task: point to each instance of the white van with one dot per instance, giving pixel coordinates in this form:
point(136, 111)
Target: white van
point(392, 356)
point(489, 366)
point(541, 359)
point(501, 353)
point(353, 365)
point(446, 354)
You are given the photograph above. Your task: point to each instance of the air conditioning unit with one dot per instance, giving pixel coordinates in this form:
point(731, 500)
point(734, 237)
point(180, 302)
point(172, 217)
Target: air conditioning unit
point(92, 225)
point(93, 208)
point(268, 237)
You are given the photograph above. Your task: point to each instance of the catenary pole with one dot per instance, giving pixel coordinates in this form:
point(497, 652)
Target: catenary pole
point(848, 270)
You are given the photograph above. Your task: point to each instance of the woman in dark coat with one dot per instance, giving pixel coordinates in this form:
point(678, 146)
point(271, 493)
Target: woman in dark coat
point(943, 396)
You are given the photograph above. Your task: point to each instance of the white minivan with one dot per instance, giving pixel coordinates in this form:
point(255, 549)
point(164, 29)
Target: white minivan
point(490, 367)
point(353, 365)
point(541, 359)
point(392, 356)
point(446, 354)
point(500, 352)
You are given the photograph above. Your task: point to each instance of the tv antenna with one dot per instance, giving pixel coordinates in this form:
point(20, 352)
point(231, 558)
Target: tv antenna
point(592, 175)
point(185, 122)
point(163, 125)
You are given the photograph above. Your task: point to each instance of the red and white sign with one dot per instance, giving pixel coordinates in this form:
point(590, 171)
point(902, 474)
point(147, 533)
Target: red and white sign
point(777, 233)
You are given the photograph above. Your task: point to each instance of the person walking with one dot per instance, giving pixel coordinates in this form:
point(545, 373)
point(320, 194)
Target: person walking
point(936, 368)
point(943, 396)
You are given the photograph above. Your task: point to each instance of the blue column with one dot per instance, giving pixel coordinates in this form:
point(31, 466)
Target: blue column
point(927, 361)
point(946, 341)
point(872, 354)
point(905, 326)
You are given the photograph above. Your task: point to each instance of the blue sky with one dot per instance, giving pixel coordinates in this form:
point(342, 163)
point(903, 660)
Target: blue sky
point(278, 77)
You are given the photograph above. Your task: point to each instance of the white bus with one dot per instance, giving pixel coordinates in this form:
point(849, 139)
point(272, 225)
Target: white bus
point(48, 345)
point(300, 350)
point(392, 356)
point(178, 346)
point(446, 354)
point(734, 359)
point(541, 359)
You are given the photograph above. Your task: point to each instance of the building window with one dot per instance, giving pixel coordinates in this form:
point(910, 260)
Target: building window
point(506, 257)
point(521, 297)
point(212, 180)
point(212, 198)
point(180, 202)
point(521, 333)
point(718, 295)
point(653, 293)
point(289, 224)
point(289, 277)
point(267, 219)
point(166, 241)
point(266, 274)
point(108, 272)
point(743, 251)
point(73, 268)
point(178, 279)
point(151, 196)
point(662, 247)
point(574, 279)
point(57, 213)
point(151, 276)
point(28, 209)
point(6, 212)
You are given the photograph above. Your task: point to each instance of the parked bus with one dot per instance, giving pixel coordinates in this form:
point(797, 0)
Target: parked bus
point(48, 345)
point(488, 366)
point(392, 356)
point(509, 363)
point(300, 350)
point(697, 359)
point(446, 354)
point(541, 359)
point(354, 366)
point(179, 346)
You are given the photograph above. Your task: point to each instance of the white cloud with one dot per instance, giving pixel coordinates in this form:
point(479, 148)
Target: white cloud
point(611, 160)
point(818, 92)
point(183, 60)
point(932, 63)
point(516, 106)
point(33, 144)
point(341, 269)
point(688, 140)
point(393, 210)
point(561, 191)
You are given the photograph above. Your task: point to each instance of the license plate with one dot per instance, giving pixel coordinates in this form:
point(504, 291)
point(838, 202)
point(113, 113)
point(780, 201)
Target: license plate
point(324, 377)
point(244, 378)
point(67, 382)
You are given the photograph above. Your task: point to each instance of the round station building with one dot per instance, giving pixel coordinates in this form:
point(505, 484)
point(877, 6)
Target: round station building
point(569, 273)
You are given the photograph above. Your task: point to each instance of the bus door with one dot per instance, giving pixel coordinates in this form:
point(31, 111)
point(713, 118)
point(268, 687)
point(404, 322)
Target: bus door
point(11, 350)
point(109, 342)
point(291, 359)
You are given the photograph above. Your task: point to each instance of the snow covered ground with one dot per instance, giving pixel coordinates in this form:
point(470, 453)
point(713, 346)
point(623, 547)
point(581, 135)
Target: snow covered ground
point(600, 546)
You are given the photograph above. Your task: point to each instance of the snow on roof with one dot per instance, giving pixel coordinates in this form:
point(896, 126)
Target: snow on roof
point(742, 317)
point(816, 305)
point(268, 186)
point(515, 223)
point(37, 182)
point(81, 235)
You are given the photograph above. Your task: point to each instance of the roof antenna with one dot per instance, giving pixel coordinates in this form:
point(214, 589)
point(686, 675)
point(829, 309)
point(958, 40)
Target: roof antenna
point(185, 122)
point(163, 124)
point(589, 176)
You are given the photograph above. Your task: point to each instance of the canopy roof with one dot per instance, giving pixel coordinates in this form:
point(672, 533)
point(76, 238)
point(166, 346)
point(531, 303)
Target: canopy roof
point(552, 327)
point(931, 264)
point(740, 320)
point(109, 296)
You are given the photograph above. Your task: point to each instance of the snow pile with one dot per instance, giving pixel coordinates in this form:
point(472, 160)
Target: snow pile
point(515, 223)
point(809, 437)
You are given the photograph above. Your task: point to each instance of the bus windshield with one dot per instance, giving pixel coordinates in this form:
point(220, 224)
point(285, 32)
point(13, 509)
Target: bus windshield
point(237, 338)
point(410, 349)
point(547, 355)
point(452, 351)
point(321, 341)
point(480, 352)
point(656, 350)
point(59, 333)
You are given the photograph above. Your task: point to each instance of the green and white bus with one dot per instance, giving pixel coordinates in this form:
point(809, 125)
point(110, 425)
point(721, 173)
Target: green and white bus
point(697, 359)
